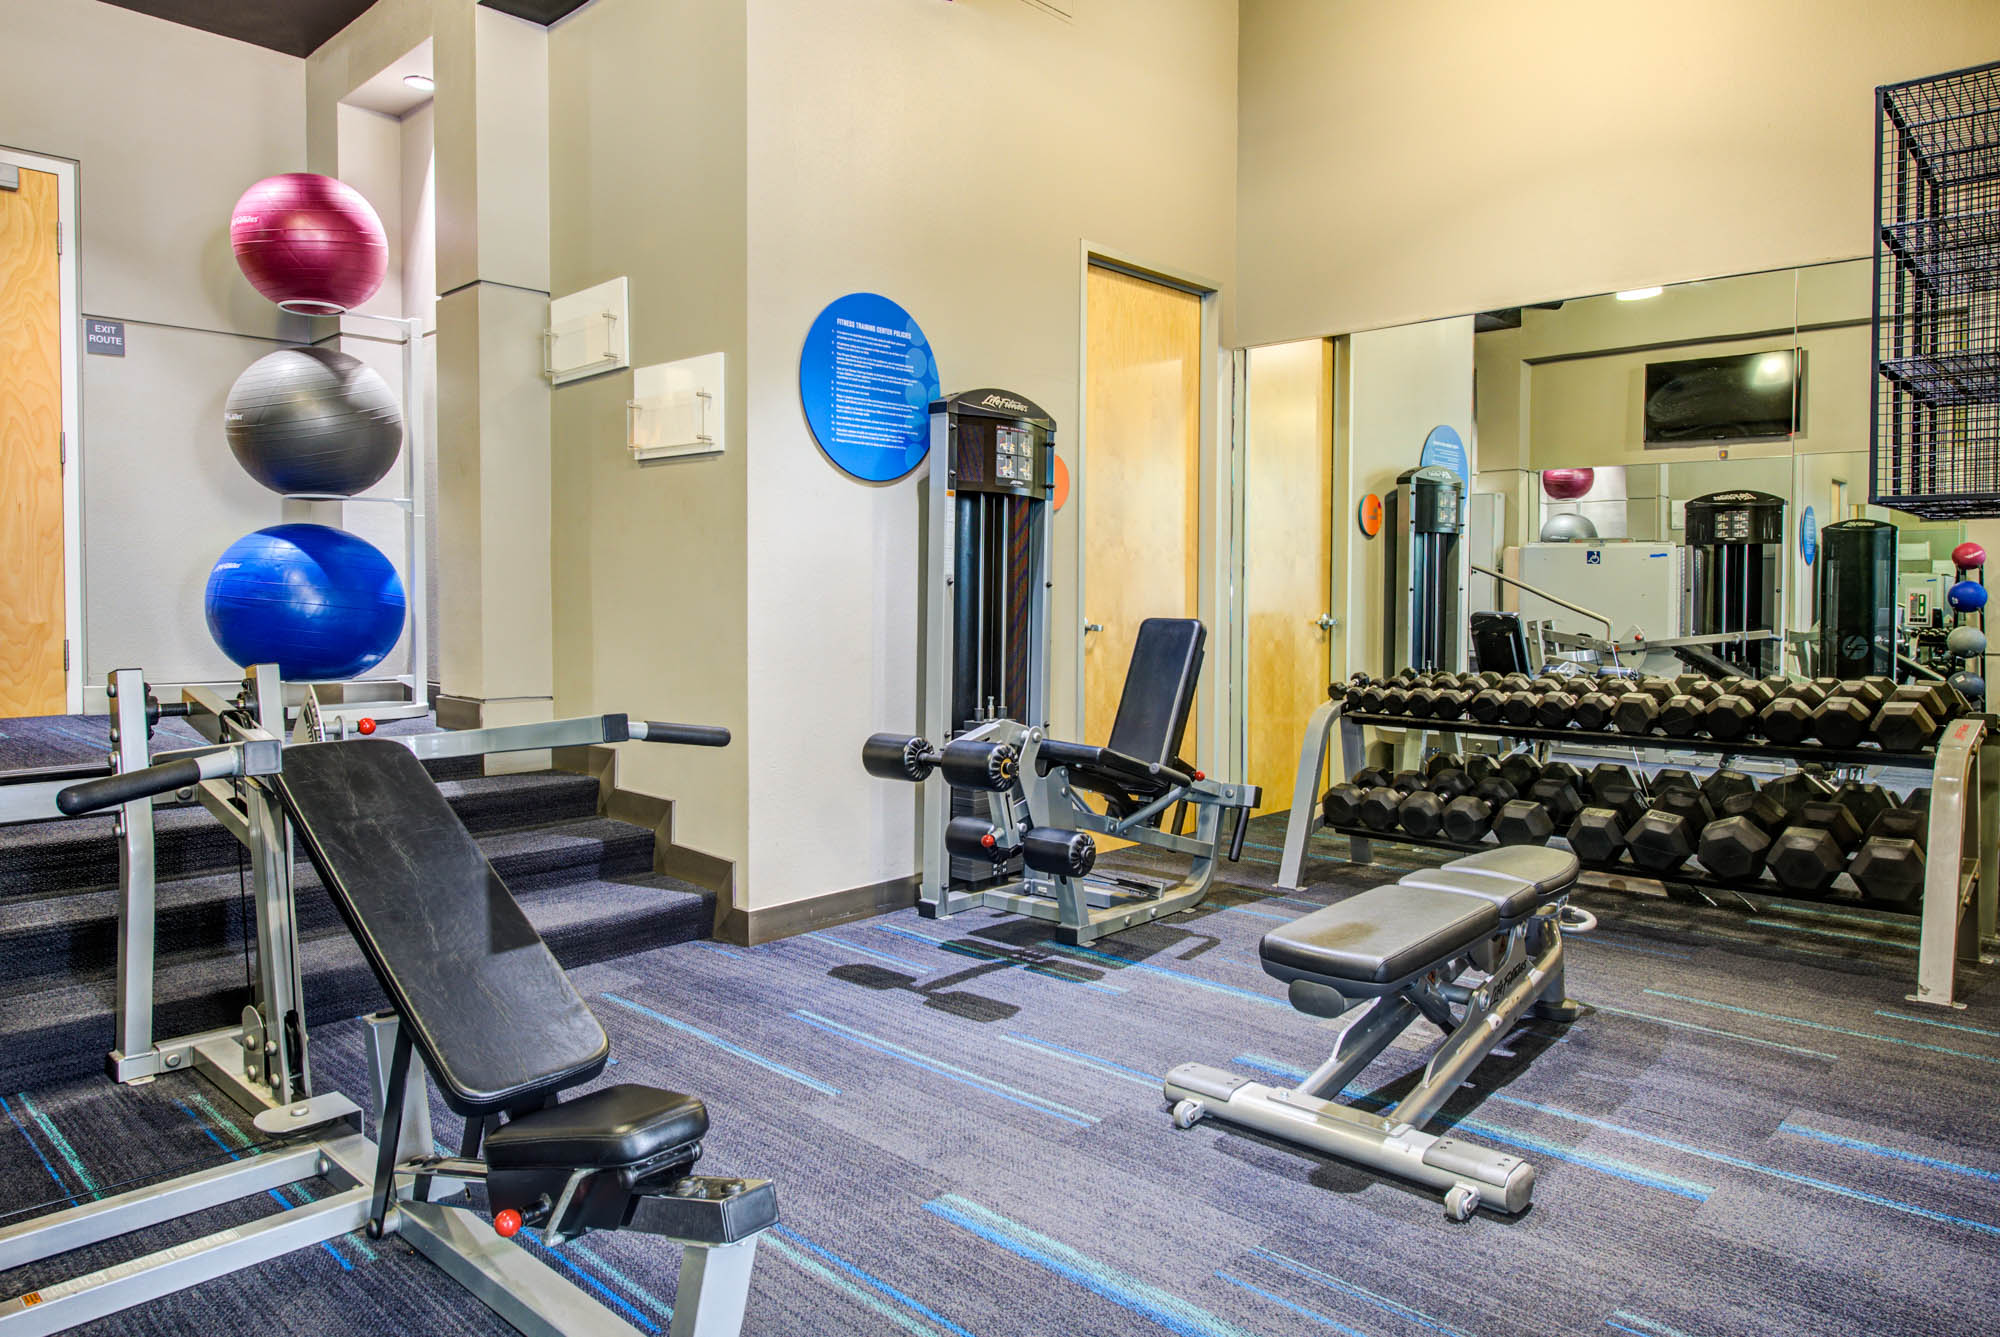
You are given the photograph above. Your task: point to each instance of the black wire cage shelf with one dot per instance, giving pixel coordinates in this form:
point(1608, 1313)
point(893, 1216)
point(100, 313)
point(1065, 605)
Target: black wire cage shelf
point(1935, 430)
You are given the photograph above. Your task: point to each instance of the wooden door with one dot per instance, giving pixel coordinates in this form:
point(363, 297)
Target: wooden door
point(1142, 479)
point(32, 676)
point(1287, 556)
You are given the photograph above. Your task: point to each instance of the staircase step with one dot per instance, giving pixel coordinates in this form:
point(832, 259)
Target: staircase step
point(45, 858)
point(76, 933)
point(64, 1031)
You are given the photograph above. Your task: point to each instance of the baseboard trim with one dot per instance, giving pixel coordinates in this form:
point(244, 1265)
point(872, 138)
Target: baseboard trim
point(748, 928)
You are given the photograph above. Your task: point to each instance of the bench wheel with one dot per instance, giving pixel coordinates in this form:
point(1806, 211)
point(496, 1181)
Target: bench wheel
point(1188, 1113)
point(1461, 1201)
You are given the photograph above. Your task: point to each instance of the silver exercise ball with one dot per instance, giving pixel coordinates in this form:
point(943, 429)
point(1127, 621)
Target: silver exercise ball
point(1966, 641)
point(1567, 528)
point(313, 420)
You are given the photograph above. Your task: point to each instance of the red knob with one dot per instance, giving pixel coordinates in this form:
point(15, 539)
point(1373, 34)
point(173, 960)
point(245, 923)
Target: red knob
point(365, 726)
point(988, 841)
point(507, 1224)
point(1199, 776)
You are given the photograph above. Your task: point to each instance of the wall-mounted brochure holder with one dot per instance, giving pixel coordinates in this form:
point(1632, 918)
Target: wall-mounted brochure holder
point(588, 333)
point(676, 409)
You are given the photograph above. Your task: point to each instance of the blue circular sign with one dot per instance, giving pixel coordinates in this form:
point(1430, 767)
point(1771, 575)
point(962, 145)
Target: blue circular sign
point(1444, 449)
point(866, 380)
point(1809, 536)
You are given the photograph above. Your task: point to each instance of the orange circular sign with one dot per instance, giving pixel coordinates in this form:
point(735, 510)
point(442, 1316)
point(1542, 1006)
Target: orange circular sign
point(1062, 483)
point(1371, 515)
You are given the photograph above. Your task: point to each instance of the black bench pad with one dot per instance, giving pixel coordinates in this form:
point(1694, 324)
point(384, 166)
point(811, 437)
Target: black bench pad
point(608, 1128)
point(481, 996)
point(1382, 936)
point(1512, 897)
point(1550, 870)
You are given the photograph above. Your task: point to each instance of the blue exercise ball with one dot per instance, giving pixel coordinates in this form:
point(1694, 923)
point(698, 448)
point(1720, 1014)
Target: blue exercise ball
point(319, 602)
point(1968, 596)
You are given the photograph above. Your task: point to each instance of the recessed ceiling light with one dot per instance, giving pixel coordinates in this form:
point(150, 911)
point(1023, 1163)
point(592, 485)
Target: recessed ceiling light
point(423, 83)
point(1640, 294)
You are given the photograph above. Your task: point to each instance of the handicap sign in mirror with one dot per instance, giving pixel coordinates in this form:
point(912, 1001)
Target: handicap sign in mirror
point(1593, 558)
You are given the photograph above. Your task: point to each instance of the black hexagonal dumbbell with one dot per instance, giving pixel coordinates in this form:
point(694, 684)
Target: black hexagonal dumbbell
point(1486, 704)
point(1559, 796)
point(1556, 710)
point(1687, 801)
point(1730, 717)
point(1451, 703)
point(1834, 819)
point(1597, 836)
point(1794, 789)
point(1733, 848)
point(1342, 805)
point(1421, 814)
point(1481, 765)
point(1904, 724)
point(1519, 708)
point(1765, 812)
point(1757, 691)
point(1866, 801)
point(1843, 718)
point(1722, 785)
point(1681, 716)
point(1468, 819)
point(1520, 770)
point(1443, 761)
point(1449, 785)
point(1371, 777)
point(1523, 822)
point(1593, 711)
point(1407, 782)
point(1396, 700)
point(1805, 860)
point(1789, 718)
point(1705, 690)
point(1372, 696)
point(1660, 842)
point(1638, 710)
point(1420, 702)
point(1378, 810)
point(1609, 775)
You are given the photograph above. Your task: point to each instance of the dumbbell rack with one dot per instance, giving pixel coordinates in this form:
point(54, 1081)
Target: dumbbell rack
point(1961, 898)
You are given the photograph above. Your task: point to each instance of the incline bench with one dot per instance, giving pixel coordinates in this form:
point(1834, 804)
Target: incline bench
point(477, 995)
point(1385, 958)
point(1036, 817)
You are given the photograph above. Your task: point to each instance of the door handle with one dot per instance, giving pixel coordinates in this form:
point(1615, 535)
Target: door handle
point(1093, 626)
point(1326, 622)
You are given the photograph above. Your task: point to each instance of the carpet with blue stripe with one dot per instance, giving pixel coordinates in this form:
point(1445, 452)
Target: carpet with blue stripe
point(1753, 1132)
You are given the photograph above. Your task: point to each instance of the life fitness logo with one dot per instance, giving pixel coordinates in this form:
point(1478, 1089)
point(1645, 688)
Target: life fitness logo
point(1003, 402)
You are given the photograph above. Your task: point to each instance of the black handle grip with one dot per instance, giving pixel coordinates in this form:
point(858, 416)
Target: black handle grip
point(689, 735)
point(113, 790)
point(1236, 841)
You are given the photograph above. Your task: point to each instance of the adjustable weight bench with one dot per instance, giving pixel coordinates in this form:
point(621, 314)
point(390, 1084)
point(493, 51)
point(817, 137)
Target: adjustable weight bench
point(1384, 959)
point(1037, 821)
point(479, 997)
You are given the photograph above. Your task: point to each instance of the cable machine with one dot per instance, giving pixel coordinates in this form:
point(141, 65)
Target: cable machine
point(1732, 581)
point(986, 600)
point(1423, 616)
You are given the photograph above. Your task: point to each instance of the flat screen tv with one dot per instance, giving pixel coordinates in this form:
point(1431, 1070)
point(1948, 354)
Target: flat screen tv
point(1740, 397)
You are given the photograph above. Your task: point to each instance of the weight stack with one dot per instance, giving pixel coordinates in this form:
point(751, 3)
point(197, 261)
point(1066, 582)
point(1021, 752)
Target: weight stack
point(1857, 599)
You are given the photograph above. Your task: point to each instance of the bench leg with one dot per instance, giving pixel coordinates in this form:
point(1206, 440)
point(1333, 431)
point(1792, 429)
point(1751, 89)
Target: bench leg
point(714, 1288)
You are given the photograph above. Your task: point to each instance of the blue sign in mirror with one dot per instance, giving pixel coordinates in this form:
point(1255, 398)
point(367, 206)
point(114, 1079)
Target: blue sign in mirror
point(866, 379)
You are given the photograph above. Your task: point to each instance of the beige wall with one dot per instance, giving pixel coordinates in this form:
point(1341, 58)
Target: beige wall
point(1433, 157)
point(954, 158)
point(647, 108)
point(162, 157)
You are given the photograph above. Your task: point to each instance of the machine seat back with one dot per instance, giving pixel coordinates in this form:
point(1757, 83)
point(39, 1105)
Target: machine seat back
point(1159, 689)
point(480, 995)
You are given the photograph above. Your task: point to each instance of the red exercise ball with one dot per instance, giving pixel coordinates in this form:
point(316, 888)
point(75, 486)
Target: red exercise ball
point(1968, 557)
point(309, 243)
point(1567, 484)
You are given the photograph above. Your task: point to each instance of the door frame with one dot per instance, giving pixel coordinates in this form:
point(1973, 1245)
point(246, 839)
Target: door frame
point(68, 218)
point(1214, 590)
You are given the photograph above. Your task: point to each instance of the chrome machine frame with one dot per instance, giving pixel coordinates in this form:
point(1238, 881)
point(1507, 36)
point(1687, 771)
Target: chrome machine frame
point(1040, 798)
point(263, 1064)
